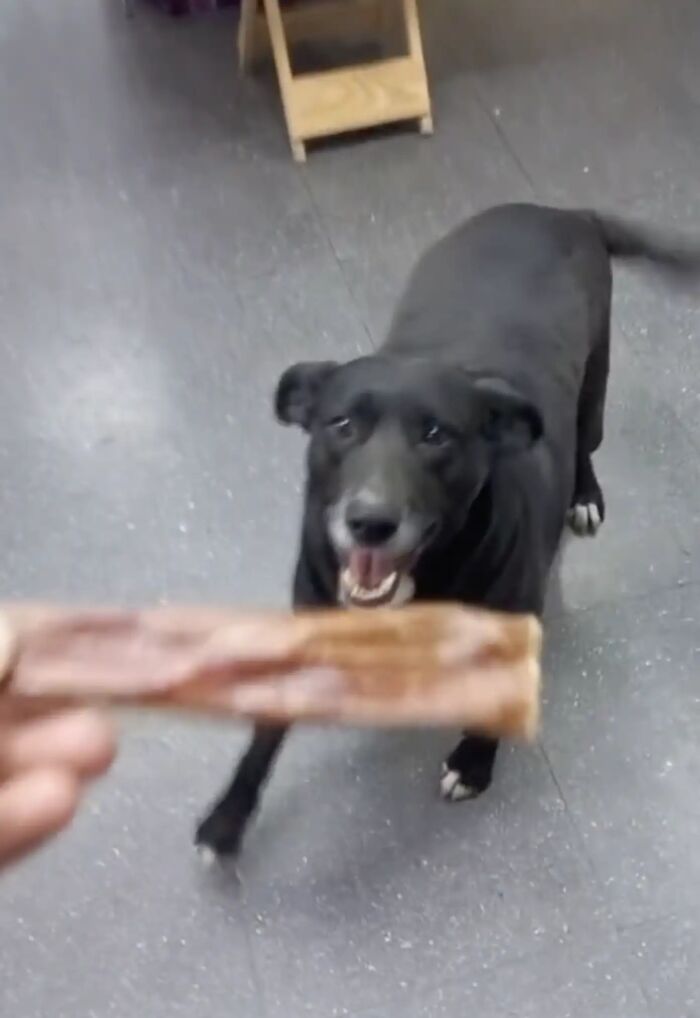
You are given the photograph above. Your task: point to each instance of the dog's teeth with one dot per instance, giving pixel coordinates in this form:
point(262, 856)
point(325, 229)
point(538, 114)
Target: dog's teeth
point(352, 592)
point(360, 593)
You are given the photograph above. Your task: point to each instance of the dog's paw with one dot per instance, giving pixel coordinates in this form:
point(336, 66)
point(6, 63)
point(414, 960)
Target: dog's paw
point(456, 785)
point(453, 788)
point(585, 518)
point(587, 511)
point(218, 837)
point(468, 770)
point(207, 856)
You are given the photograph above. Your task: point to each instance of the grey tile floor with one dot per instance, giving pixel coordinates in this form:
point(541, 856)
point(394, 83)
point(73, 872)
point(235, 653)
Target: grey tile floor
point(161, 260)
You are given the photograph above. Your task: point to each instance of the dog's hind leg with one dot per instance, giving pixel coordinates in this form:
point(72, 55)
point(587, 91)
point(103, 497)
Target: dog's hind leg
point(468, 770)
point(221, 831)
point(587, 510)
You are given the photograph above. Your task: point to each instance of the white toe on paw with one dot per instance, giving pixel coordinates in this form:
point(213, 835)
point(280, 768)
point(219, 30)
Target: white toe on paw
point(452, 788)
point(594, 518)
point(207, 856)
point(585, 519)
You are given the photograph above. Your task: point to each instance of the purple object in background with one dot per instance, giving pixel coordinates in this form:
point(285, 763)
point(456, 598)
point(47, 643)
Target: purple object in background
point(177, 8)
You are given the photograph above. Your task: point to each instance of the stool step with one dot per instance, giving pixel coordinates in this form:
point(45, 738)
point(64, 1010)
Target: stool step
point(365, 95)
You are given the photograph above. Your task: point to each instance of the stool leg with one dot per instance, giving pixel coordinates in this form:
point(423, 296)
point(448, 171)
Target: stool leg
point(409, 10)
point(285, 77)
point(246, 34)
point(298, 150)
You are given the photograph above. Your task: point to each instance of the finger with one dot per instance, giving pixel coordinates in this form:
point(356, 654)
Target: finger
point(33, 806)
point(81, 741)
point(24, 708)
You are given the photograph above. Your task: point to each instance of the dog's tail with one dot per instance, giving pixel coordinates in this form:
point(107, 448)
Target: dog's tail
point(675, 254)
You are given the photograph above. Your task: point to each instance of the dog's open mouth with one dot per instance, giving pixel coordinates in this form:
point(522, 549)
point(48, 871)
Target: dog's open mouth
point(372, 578)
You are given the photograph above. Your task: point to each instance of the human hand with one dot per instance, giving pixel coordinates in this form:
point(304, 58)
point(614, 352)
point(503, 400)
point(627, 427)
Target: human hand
point(45, 764)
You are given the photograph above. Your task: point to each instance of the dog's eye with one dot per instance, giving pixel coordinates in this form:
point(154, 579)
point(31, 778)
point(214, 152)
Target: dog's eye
point(342, 426)
point(434, 434)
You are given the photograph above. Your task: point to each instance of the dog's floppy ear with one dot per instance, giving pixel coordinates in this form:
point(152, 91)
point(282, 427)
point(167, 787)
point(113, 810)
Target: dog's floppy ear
point(509, 421)
point(298, 389)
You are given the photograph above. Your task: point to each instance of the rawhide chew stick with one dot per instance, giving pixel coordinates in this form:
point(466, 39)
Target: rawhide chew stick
point(418, 665)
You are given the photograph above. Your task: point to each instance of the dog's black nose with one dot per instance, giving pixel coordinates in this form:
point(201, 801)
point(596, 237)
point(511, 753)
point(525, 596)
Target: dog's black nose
point(371, 525)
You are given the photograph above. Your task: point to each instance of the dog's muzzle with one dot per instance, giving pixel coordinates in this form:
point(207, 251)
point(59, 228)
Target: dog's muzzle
point(377, 547)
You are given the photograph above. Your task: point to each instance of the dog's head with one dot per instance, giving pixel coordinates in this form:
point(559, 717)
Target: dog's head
point(398, 452)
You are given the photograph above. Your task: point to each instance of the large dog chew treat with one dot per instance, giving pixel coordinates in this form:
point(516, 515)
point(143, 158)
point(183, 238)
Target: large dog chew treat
point(419, 665)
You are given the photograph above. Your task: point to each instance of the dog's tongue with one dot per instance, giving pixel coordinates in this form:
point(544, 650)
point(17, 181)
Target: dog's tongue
point(369, 568)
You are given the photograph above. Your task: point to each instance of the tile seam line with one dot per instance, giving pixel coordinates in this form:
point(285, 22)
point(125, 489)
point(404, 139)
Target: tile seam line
point(505, 140)
point(608, 602)
point(631, 925)
point(321, 220)
point(256, 973)
point(457, 981)
point(241, 915)
point(613, 921)
point(667, 405)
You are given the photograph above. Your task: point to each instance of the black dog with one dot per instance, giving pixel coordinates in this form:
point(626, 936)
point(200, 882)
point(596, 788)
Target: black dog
point(446, 465)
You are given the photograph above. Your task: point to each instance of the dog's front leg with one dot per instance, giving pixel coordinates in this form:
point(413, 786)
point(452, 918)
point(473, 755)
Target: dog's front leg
point(468, 770)
point(222, 830)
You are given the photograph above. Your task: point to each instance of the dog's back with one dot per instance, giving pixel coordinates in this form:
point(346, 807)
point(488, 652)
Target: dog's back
point(519, 292)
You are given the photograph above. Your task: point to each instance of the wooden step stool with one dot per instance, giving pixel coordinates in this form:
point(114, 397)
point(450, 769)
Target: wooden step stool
point(331, 102)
